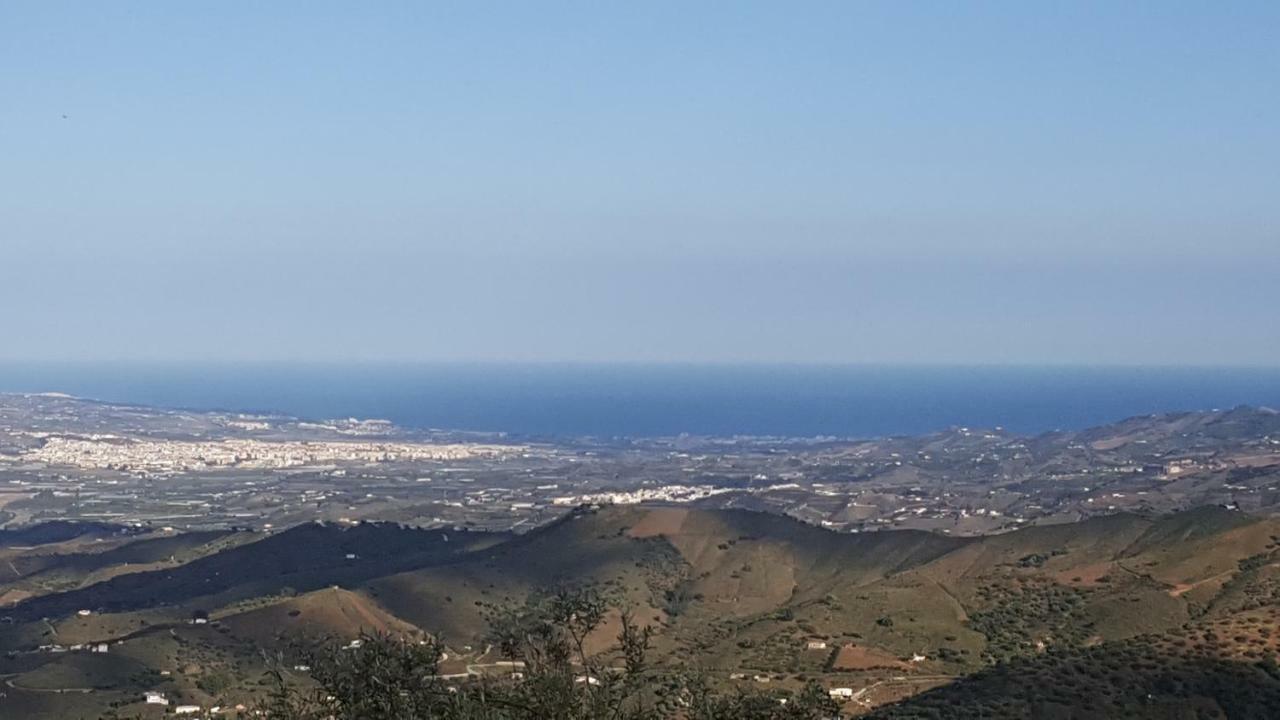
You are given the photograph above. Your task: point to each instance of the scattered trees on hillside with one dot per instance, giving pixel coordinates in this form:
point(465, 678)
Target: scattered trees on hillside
point(387, 678)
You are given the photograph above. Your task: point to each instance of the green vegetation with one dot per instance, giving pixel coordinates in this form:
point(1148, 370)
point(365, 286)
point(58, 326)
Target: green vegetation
point(1027, 616)
point(1139, 678)
point(1035, 560)
point(385, 678)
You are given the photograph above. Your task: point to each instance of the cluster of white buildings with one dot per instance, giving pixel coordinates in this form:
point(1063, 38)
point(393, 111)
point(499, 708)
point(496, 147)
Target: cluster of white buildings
point(665, 493)
point(151, 455)
point(79, 647)
point(155, 697)
point(661, 494)
point(158, 698)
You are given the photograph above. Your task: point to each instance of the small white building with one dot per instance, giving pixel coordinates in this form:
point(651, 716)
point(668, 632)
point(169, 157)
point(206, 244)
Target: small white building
point(844, 693)
point(186, 710)
point(156, 698)
point(816, 645)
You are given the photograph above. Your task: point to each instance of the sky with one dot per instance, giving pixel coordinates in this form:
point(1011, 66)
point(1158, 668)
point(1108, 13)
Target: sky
point(843, 182)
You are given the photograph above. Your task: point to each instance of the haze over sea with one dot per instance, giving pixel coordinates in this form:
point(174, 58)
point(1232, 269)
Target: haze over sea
point(653, 400)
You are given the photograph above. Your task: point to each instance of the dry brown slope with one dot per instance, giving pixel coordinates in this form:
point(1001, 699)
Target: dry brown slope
point(333, 612)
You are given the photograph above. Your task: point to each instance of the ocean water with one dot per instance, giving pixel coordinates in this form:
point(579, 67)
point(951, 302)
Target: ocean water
point(650, 400)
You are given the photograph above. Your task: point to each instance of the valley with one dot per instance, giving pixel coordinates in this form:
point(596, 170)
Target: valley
point(64, 458)
point(1129, 570)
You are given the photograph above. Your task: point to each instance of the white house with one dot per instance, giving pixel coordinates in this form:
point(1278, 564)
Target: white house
point(156, 698)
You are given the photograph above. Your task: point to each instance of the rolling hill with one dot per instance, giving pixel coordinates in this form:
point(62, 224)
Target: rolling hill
point(918, 620)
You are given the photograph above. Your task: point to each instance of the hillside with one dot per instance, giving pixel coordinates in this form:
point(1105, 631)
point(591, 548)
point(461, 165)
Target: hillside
point(739, 594)
point(303, 558)
point(332, 613)
point(57, 531)
point(1207, 669)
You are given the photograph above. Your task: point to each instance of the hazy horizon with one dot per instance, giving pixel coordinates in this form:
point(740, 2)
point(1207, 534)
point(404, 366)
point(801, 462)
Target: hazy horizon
point(830, 183)
point(287, 363)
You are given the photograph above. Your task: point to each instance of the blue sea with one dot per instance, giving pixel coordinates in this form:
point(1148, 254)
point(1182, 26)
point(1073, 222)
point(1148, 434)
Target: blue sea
point(552, 400)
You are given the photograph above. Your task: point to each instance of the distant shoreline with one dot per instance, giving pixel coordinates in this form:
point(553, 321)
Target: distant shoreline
point(541, 400)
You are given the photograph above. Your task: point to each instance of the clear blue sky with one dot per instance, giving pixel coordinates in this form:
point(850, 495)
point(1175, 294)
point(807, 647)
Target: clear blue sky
point(1016, 182)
